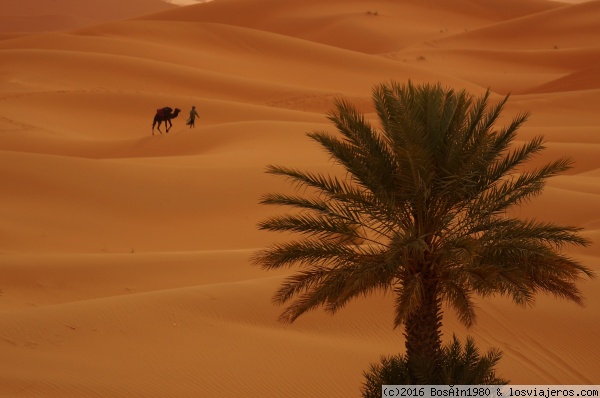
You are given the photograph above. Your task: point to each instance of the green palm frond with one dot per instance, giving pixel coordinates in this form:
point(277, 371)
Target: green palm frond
point(458, 293)
point(335, 283)
point(460, 364)
point(409, 294)
point(305, 253)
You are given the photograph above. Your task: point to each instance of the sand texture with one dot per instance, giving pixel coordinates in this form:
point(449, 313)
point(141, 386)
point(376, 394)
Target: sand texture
point(124, 256)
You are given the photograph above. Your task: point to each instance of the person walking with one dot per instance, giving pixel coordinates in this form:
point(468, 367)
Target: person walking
point(193, 114)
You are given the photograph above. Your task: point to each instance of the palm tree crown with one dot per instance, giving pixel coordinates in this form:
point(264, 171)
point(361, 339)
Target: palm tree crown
point(427, 192)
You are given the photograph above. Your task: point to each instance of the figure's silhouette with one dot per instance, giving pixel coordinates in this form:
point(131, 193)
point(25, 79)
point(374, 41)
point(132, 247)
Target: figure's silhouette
point(164, 115)
point(193, 114)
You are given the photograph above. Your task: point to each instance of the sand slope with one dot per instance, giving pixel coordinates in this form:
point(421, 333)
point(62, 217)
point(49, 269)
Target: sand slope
point(21, 17)
point(124, 256)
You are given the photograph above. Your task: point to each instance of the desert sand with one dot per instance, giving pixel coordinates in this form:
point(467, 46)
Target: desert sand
point(124, 256)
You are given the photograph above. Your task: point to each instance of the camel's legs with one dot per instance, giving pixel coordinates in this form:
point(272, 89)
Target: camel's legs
point(158, 121)
point(158, 127)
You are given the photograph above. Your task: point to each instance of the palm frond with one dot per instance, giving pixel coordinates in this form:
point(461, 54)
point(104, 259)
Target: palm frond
point(369, 174)
point(319, 225)
point(502, 161)
point(516, 190)
point(409, 295)
point(301, 252)
point(331, 188)
point(458, 295)
point(333, 286)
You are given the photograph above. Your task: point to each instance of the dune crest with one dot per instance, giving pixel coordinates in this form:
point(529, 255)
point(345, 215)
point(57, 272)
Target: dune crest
point(56, 15)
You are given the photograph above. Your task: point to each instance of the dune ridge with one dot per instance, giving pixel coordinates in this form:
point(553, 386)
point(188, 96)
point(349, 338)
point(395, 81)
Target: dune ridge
point(22, 17)
point(125, 255)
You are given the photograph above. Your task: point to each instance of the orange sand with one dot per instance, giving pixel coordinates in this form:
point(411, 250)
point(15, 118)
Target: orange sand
point(124, 256)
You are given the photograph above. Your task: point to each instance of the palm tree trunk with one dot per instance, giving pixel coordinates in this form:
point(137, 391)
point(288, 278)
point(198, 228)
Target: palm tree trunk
point(423, 334)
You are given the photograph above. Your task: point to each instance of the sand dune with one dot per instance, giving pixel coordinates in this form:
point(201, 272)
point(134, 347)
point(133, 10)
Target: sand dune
point(569, 26)
point(39, 16)
point(519, 55)
point(124, 256)
point(370, 27)
point(585, 79)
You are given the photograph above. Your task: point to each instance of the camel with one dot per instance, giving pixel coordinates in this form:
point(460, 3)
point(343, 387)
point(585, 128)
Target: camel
point(164, 115)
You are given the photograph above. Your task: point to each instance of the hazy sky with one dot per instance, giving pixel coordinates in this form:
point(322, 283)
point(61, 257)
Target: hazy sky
point(187, 2)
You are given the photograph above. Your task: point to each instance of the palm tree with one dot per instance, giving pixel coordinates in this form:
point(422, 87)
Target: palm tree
point(460, 365)
point(427, 192)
